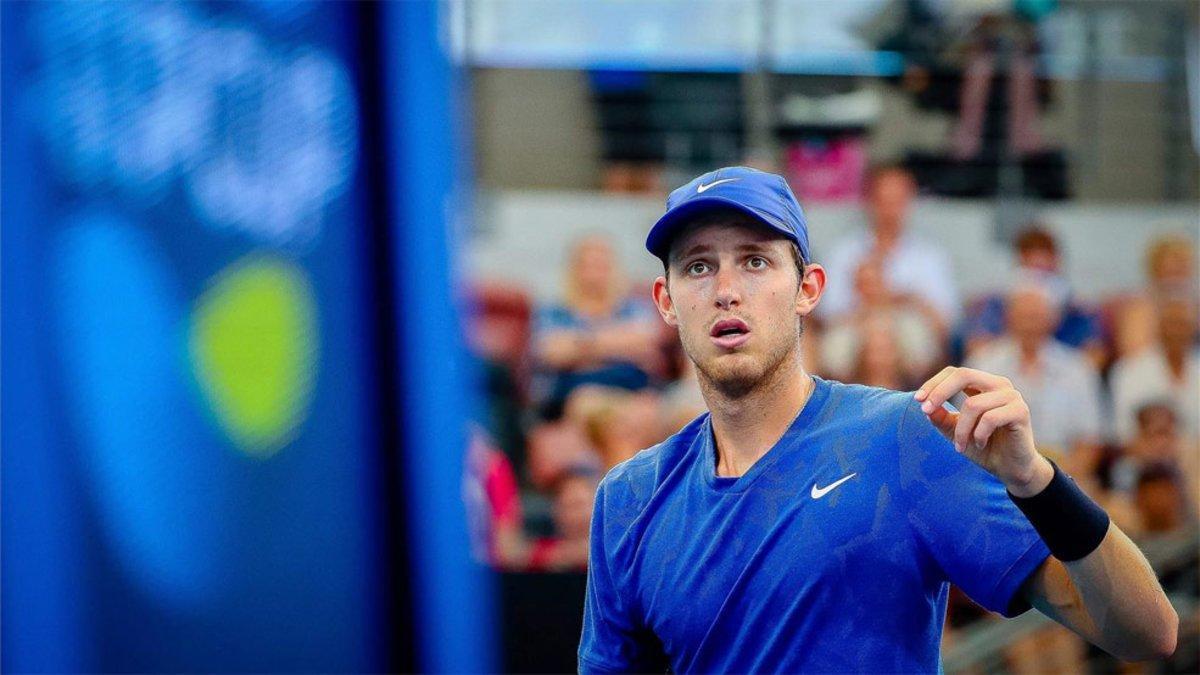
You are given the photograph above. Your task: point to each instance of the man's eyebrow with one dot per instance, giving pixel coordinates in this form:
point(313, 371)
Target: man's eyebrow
point(698, 248)
point(754, 246)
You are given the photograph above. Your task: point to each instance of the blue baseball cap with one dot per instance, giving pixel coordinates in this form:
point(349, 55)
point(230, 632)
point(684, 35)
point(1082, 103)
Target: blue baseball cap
point(763, 196)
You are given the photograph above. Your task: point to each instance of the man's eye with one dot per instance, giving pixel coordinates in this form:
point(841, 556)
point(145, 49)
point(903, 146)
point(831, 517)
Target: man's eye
point(757, 263)
point(697, 268)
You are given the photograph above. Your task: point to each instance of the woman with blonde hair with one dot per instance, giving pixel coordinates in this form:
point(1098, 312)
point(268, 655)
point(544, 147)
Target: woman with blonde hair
point(597, 334)
point(1170, 265)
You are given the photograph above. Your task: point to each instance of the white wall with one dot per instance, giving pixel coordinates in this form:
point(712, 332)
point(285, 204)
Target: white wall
point(522, 236)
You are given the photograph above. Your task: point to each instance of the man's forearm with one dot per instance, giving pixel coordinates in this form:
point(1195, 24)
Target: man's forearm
point(1111, 597)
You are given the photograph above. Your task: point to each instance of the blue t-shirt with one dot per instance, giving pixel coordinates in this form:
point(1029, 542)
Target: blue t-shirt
point(832, 553)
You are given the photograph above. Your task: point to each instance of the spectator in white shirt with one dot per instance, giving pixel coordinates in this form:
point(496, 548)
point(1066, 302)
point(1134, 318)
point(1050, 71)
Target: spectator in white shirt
point(1170, 272)
point(1059, 383)
point(1168, 370)
point(913, 343)
point(918, 272)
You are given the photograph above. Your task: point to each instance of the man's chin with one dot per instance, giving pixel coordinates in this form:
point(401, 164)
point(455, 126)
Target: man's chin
point(732, 374)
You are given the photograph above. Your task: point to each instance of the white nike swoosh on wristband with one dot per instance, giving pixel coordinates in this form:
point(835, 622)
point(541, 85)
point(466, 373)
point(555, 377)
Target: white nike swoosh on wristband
point(817, 492)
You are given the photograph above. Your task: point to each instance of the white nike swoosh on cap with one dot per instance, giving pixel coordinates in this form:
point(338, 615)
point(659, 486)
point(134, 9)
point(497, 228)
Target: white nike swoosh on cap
point(817, 492)
point(702, 187)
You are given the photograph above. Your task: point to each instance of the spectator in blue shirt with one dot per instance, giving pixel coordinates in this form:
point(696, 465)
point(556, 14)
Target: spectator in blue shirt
point(598, 334)
point(1039, 261)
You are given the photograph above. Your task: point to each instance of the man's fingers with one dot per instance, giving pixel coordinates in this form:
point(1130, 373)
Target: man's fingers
point(932, 382)
point(944, 421)
point(973, 409)
point(995, 418)
point(958, 380)
point(991, 403)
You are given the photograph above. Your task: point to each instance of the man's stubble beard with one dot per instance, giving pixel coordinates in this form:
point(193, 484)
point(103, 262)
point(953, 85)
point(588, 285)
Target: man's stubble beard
point(733, 382)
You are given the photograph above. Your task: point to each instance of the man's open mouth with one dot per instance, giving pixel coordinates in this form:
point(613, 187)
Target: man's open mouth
point(729, 333)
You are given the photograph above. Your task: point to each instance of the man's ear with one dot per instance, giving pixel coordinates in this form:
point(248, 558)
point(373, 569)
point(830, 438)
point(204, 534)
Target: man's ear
point(812, 285)
point(662, 300)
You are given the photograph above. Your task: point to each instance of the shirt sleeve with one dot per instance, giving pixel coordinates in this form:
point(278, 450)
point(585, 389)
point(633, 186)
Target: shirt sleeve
point(549, 319)
point(614, 638)
point(1078, 327)
point(988, 321)
point(962, 518)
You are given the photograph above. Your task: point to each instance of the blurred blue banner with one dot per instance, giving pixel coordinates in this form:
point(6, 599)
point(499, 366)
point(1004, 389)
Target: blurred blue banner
point(191, 476)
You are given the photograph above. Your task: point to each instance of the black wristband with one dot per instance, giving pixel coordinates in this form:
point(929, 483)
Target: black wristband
point(1071, 524)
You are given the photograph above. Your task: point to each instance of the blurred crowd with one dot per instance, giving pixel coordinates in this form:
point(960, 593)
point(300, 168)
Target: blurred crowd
point(575, 387)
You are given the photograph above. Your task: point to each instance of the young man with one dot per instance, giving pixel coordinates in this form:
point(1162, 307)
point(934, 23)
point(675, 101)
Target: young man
point(917, 271)
point(808, 525)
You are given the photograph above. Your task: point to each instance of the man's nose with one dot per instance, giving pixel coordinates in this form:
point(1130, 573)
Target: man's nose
point(728, 293)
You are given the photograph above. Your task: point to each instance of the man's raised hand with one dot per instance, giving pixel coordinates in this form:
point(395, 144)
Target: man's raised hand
point(992, 428)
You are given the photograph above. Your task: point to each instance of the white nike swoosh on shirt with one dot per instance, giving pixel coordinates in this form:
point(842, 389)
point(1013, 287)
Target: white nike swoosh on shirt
point(817, 492)
point(702, 187)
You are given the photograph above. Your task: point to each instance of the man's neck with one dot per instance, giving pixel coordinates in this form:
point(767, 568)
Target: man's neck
point(886, 238)
point(594, 305)
point(1029, 351)
point(747, 426)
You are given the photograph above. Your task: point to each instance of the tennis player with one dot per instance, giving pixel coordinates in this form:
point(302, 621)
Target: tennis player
point(808, 525)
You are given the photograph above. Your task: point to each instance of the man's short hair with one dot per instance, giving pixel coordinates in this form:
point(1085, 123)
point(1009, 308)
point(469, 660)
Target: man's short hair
point(1035, 238)
point(878, 170)
point(1168, 245)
